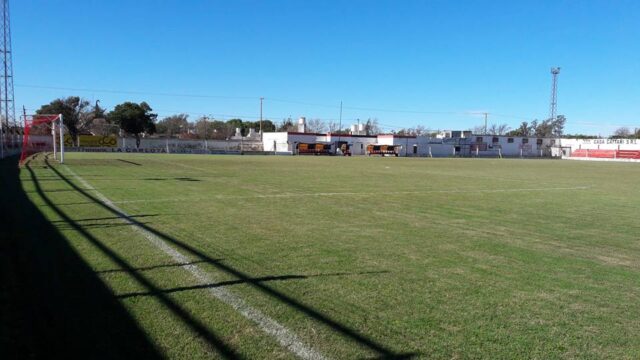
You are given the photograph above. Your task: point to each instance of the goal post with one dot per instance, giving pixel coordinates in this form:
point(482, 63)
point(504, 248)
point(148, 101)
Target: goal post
point(43, 133)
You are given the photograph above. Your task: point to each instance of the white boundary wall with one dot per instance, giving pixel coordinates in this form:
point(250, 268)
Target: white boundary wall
point(283, 143)
point(601, 144)
point(600, 159)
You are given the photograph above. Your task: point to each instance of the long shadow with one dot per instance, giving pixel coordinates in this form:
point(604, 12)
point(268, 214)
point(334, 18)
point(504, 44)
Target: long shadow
point(383, 351)
point(167, 179)
point(129, 162)
point(147, 268)
point(210, 286)
point(238, 282)
point(52, 304)
point(94, 226)
point(196, 325)
point(103, 218)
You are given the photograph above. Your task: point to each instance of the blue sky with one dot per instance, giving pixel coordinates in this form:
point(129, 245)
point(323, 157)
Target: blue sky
point(406, 63)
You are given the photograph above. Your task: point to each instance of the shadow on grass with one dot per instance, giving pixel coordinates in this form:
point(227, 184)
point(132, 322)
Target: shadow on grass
point(147, 268)
point(101, 218)
point(382, 351)
point(129, 162)
point(52, 304)
point(239, 282)
point(176, 178)
point(63, 227)
point(196, 325)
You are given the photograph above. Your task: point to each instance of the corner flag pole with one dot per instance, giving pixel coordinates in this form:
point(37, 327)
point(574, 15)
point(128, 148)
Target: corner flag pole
point(61, 141)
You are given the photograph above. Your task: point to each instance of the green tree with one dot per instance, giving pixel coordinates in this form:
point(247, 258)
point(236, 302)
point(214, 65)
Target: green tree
point(525, 129)
point(174, 124)
point(134, 119)
point(580, 136)
point(76, 113)
point(235, 123)
point(206, 128)
point(267, 126)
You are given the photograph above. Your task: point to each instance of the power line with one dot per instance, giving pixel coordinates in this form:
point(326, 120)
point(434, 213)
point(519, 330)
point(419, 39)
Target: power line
point(130, 92)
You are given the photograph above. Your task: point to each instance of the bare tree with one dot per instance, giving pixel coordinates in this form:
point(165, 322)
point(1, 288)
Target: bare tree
point(333, 126)
point(503, 129)
point(286, 125)
point(478, 130)
point(622, 132)
point(316, 125)
point(101, 127)
point(422, 130)
point(371, 127)
point(496, 129)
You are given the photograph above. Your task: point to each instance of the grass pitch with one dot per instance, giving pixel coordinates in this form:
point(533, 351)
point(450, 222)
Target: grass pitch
point(357, 257)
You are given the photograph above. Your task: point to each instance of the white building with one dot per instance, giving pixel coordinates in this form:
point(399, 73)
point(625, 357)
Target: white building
point(510, 146)
point(286, 143)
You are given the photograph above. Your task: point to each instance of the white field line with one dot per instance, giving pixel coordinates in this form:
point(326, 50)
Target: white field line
point(283, 335)
point(294, 195)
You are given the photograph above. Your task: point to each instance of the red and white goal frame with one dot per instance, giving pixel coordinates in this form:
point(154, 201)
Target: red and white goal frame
point(35, 138)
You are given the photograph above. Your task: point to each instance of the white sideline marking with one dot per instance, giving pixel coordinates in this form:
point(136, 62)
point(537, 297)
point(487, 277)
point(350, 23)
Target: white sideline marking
point(293, 195)
point(285, 337)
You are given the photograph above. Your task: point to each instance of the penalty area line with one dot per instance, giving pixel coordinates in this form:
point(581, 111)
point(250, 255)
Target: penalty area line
point(283, 335)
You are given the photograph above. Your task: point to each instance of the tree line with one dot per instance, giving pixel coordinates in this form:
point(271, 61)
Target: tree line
point(626, 133)
point(138, 119)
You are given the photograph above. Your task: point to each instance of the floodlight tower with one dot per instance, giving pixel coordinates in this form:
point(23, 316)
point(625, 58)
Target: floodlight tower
point(553, 107)
point(7, 106)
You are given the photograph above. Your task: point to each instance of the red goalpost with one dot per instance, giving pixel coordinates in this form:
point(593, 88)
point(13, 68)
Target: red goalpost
point(40, 136)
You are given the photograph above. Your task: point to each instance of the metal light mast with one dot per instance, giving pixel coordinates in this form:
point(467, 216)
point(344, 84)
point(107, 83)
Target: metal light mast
point(7, 105)
point(553, 107)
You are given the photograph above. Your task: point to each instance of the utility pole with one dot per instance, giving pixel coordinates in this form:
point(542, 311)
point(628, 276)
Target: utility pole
point(553, 106)
point(485, 122)
point(261, 99)
point(339, 127)
point(206, 128)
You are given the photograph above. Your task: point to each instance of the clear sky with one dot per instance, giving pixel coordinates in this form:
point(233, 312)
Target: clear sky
point(406, 63)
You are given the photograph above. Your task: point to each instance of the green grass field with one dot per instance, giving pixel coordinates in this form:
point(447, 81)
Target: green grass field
point(356, 257)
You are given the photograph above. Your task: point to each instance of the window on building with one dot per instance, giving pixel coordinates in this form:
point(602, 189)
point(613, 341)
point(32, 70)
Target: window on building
point(510, 140)
point(479, 139)
point(525, 141)
point(495, 139)
point(539, 142)
point(553, 142)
